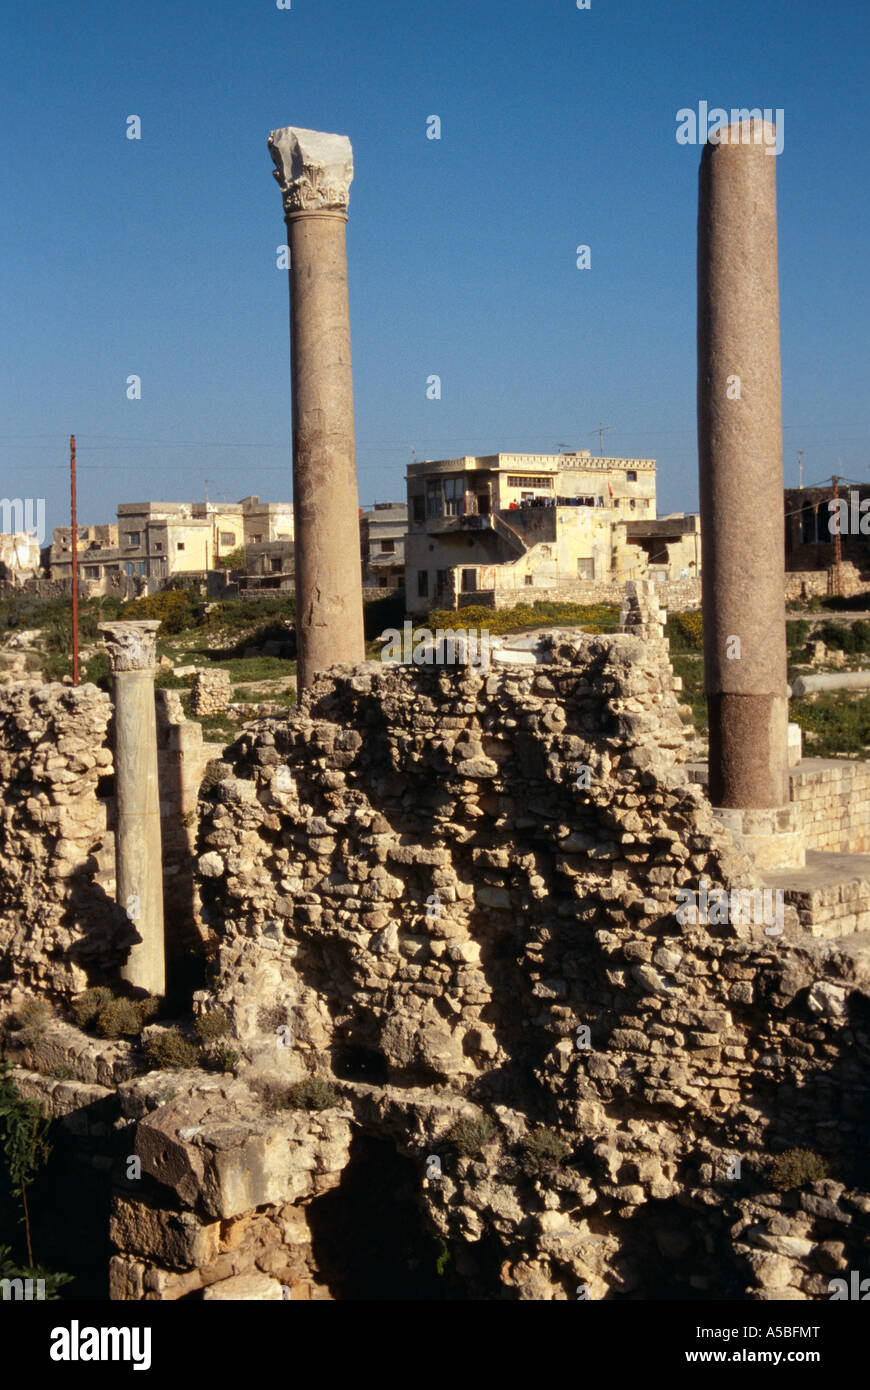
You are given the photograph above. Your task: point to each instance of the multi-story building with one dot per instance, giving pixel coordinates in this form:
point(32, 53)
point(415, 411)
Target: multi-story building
point(489, 529)
point(154, 541)
point(382, 530)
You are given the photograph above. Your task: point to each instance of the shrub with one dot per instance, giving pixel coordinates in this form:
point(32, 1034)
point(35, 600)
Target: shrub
point(174, 608)
point(122, 1017)
point(32, 1019)
point(685, 631)
point(597, 617)
point(796, 1168)
point(314, 1093)
point(797, 632)
point(219, 1056)
point(214, 1025)
point(171, 1051)
point(544, 1150)
point(471, 1135)
point(85, 1007)
point(215, 772)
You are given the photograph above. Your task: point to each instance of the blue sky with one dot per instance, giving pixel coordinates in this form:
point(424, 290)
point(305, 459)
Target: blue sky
point(158, 256)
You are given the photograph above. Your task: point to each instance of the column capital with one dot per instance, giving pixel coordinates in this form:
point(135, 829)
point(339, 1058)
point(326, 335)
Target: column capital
point(132, 646)
point(314, 171)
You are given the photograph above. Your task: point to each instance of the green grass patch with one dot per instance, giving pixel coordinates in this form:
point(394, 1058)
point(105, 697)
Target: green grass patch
point(833, 724)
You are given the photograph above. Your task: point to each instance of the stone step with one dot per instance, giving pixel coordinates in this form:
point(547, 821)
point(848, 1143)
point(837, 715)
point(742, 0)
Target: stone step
point(831, 892)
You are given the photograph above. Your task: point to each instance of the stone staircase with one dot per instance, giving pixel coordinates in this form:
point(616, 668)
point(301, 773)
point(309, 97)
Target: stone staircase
point(831, 893)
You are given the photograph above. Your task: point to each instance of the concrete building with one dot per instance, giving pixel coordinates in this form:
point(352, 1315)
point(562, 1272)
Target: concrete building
point(154, 541)
point(382, 530)
point(269, 565)
point(503, 528)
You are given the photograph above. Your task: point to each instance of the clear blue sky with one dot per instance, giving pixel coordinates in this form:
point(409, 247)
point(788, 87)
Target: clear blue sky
point(158, 257)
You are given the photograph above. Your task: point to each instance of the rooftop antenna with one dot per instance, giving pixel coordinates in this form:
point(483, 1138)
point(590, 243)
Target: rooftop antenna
point(206, 492)
point(800, 468)
point(601, 432)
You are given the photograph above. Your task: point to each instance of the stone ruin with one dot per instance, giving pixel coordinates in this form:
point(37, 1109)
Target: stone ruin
point(461, 912)
point(450, 895)
point(211, 691)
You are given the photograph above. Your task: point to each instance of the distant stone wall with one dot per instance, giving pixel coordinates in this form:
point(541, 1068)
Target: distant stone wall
point(800, 584)
point(834, 797)
point(211, 691)
point(676, 594)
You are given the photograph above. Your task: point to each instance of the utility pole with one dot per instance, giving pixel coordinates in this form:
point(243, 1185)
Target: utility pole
point(838, 547)
point(75, 559)
point(800, 468)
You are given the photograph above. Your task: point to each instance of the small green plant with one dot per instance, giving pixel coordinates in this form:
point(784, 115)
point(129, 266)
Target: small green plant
point(85, 1007)
point(797, 1168)
point(213, 1025)
point(215, 772)
point(32, 1020)
point(62, 1071)
point(219, 1056)
point(171, 1051)
point(24, 1143)
point(470, 1136)
point(544, 1150)
point(444, 1256)
point(314, 1093)
point(52, 1282)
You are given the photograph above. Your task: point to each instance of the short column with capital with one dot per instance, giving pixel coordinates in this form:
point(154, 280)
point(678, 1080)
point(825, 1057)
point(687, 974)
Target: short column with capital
point(138, 859)
point(314, 172)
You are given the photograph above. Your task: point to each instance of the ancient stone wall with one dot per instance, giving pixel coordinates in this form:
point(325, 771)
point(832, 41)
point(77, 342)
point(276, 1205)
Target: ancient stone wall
point(834, 799)
point(57, 923)
point(60, 928)
point(211, 691)
point(412, 880)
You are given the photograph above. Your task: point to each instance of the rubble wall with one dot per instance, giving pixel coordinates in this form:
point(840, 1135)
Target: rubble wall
point(410, 878)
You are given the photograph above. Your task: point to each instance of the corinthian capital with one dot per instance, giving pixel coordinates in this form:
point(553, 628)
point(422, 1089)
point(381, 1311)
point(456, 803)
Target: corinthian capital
point(314, 171)
point(131, 646)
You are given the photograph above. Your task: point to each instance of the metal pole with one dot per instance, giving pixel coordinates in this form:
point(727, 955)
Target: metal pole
point(75, 559)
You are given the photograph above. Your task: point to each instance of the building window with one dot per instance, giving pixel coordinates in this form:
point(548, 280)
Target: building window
point(388, 547)
point(158, 545)
point(134, 537)
point(276, 564)
point(440, 580)
point(227, 538)
point(529, 578)
point(92, 571)
point(419, 508)
point(422, 583)
point(632, 504)
point(518, 481)
point(454, 496)
point(585, 569)
point(434, 500)
point(179, 545)
point(256, 539)
point(469, 581)
point(632, 477)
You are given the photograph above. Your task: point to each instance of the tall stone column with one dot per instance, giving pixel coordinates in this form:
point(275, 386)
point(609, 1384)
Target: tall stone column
point(740, 464)
point(138, 861)
point(314, 172)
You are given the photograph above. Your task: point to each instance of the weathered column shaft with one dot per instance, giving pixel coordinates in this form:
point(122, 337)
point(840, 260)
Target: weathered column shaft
point(138, 858)
point(314, 172)
point(740, 465)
